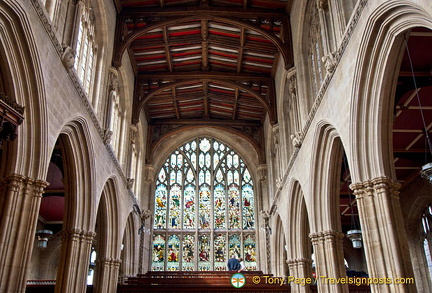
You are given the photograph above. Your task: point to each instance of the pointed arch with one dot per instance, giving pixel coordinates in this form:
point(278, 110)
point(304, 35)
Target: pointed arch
point(131, 242)
point(325, 166)
point(279, 248)
point(375, 75)
point(19, 58)
point(298, 223)
point(108, 239)
point(79, 175)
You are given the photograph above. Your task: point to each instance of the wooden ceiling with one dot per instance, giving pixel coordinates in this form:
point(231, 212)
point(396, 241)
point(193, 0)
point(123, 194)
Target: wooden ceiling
point(204, 62)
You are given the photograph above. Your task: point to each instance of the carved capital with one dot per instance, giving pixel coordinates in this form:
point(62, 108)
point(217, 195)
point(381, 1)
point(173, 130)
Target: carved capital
point(149, 173)
point(262, 172)
point(375, 187)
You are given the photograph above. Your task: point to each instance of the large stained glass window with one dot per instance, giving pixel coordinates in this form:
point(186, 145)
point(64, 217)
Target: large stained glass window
point(204, 209)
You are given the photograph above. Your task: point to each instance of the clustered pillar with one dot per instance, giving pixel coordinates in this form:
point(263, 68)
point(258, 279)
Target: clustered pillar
point(76, 248)
point(384, 237)
point(21, 197)
point(329, 260)
point(300, 268)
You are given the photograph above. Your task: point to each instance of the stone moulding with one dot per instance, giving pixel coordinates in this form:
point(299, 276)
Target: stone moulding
point(46, 22)
point(337, 57)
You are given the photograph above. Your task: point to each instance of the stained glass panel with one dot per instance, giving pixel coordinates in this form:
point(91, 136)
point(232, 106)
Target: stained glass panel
point(160, 207)
point(234, 245)
point(173, 260)
point(174, 208)
point(204, 208)
point(158, 253)
point(204, 188)
point(220, 254)
point(204, 252)
point(234, 207)
point(188, 253)
point(248, 207)
point(250, 252)
point(189, 207)
point(219, 207)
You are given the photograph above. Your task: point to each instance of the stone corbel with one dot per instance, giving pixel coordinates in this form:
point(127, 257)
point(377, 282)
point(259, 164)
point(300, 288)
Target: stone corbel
point(68, 57)
point(107, 136)
point(329, 62)
point(296, 139)
point(129, 183)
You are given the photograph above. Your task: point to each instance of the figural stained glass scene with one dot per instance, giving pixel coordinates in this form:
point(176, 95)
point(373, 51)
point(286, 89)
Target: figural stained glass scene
point(204, 209)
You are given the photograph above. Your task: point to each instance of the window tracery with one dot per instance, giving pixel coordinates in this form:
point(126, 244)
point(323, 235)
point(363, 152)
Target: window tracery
point(85, 48)
point(204, 209)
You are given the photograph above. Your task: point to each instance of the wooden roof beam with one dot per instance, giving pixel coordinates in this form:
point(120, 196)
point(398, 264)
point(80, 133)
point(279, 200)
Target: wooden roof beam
point(240, 53)
point(206, 75)
point(167, 49)
point(206, 102)
point(195, 10)
point(246, 3)
point(175, 102)
point(204, 35)
point(235, 104)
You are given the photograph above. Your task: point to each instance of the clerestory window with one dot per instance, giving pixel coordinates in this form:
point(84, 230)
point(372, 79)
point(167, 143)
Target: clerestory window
point(204, 209)
point(85, 49)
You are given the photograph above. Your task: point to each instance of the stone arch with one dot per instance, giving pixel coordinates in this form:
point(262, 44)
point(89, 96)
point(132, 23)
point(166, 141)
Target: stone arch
point(80, 206)
point(279, 249)
point(19, 57)
point(79, 175)
point(297, 235)
point(325, 170)
point(244, 147)
point(326, 224)
point(371, 150)
point(298, 223)
point(131, 246)
point(108, 239)
point(375, 75)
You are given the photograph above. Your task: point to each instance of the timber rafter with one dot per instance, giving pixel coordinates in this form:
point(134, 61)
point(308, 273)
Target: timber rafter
point(260, 22)
point(162, 89)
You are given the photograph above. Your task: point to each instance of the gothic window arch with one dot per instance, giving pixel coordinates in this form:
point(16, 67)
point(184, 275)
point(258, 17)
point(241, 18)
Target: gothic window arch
point(426, 224)
point(204, 209)
point(85, 48)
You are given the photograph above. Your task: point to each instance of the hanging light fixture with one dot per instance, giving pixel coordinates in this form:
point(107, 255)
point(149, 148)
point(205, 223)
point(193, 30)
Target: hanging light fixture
point(355, 234)
point(426, 171)
point(43, 236)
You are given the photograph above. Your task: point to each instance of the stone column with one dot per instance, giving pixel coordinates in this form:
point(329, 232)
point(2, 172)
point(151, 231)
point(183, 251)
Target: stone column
point(75, 260)
point(145, 237)
point(384, 236)
point(329, 260)
point(107, 275)
point(21, 197)
point(299, 270)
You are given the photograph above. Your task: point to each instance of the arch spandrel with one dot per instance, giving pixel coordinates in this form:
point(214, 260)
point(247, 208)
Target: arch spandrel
point(375, 75)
